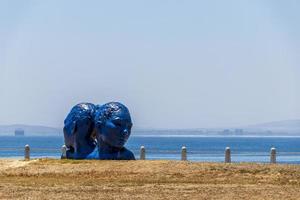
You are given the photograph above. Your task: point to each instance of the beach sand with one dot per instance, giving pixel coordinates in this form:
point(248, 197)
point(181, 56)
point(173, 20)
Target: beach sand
point(71, 179)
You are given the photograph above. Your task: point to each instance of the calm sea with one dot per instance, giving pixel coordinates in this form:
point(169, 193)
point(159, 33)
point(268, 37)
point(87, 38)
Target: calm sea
point(244, 149)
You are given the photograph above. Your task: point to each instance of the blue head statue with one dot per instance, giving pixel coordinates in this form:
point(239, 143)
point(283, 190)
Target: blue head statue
point(79, 131)
point(113, 127)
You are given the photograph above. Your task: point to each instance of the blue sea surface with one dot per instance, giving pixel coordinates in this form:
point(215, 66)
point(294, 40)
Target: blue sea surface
point(210, 149)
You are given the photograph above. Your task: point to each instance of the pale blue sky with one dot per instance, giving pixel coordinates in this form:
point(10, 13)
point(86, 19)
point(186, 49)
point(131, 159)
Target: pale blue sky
point(175, 64)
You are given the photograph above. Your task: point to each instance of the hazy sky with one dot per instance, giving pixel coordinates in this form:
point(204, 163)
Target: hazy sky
point(175, 64)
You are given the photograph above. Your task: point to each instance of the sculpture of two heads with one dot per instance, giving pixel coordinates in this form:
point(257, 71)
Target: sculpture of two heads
point(88, 126)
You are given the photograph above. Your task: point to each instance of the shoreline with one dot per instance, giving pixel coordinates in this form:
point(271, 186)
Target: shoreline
point(21, 158)
point(175, 136)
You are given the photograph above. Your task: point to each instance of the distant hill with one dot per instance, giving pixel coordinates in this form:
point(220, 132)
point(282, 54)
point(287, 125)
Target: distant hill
point(278, 128)
point(285, 126)
point(30, 130)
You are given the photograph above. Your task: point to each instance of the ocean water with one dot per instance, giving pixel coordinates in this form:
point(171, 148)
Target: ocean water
point(209, 149)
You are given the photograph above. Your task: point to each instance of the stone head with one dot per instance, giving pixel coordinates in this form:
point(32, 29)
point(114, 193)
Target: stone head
point(113, 124)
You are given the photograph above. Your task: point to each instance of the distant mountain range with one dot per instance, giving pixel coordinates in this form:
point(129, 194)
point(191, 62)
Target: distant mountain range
point(278, 128)
point(279, 124)
point(30, 130)
point(286, 127)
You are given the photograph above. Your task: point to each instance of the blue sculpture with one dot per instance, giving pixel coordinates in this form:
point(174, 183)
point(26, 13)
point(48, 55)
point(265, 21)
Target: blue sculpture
point(113, 127)
point(79, 131)
point(98, 132)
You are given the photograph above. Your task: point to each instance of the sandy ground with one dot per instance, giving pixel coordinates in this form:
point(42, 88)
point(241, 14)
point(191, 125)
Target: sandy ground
point(67, 179)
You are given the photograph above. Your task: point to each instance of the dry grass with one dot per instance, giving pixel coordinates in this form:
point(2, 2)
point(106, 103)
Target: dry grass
point(70, 179)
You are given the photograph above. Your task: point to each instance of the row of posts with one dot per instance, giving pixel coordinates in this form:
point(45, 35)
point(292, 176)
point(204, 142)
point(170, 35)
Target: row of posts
point(143, 154)
point(227, 154)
